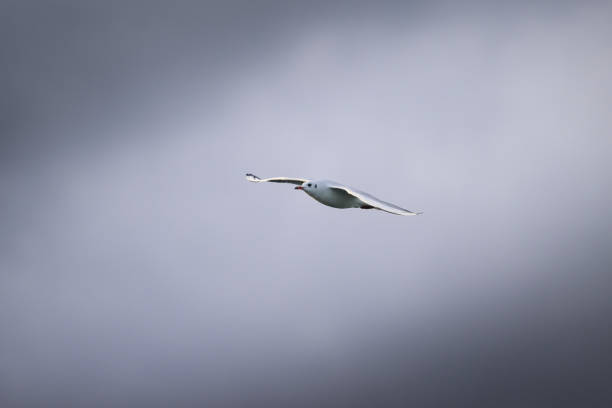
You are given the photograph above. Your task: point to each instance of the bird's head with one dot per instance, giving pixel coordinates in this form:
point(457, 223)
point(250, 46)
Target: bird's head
point(307, 186)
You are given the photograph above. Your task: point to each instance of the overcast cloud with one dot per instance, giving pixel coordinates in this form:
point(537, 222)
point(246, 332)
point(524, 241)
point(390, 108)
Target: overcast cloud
point(138, 267)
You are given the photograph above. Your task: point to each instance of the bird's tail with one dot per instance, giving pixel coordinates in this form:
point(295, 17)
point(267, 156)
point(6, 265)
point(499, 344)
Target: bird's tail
point(252, 177)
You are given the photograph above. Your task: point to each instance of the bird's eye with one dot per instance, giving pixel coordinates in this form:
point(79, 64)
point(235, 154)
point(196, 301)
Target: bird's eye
point(309, 185)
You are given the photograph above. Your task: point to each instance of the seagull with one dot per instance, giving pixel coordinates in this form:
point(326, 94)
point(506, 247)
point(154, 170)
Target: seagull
point(336, 195)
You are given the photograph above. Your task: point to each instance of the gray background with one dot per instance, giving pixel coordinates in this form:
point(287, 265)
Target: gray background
point(138, 267)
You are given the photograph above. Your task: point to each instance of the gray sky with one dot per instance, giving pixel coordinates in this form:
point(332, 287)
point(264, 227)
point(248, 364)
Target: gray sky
point(138, 267)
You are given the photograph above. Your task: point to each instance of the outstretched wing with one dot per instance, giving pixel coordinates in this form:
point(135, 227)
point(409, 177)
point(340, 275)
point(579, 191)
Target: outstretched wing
point(255, 179)
point(371, 201)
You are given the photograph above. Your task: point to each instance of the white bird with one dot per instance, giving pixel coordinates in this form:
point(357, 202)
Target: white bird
point(336, 195)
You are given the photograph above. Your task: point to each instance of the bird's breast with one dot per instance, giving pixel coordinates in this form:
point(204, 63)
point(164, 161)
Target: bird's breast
point(333, 198)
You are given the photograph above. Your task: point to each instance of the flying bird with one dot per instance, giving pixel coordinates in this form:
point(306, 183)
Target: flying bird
point(336, 195)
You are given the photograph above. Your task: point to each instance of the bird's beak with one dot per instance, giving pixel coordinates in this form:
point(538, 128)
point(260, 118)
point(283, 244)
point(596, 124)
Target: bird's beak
point(299, 188)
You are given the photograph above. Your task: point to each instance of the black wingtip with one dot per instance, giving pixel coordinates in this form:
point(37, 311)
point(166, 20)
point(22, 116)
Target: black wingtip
point(252, 177)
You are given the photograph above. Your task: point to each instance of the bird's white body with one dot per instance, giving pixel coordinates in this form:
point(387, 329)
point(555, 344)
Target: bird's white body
point(336, 195)
point(331, 197)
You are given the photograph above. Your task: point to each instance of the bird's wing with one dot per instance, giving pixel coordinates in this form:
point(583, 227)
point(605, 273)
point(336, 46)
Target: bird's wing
point(372, 201)
point(255, 179)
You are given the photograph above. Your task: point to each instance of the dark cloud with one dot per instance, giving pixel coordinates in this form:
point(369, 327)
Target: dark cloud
point(140, 268)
